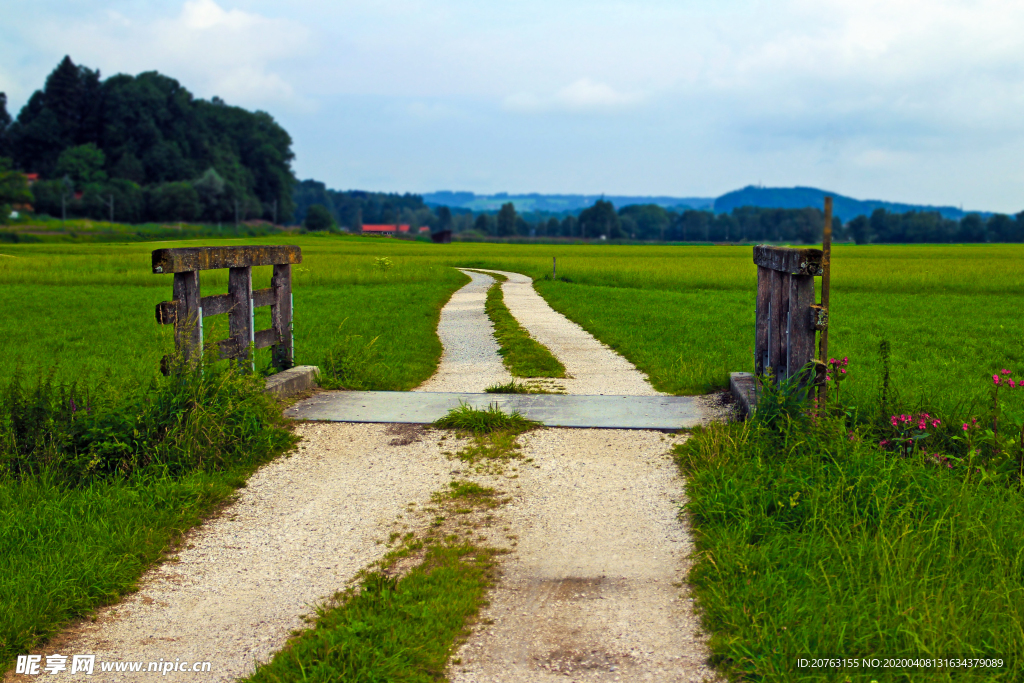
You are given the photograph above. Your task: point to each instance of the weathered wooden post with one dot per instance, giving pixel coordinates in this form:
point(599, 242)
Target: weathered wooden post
point(188, 308)
point(786, 318)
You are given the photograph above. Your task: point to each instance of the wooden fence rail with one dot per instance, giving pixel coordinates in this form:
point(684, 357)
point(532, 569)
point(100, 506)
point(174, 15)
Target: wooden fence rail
point(188, 307)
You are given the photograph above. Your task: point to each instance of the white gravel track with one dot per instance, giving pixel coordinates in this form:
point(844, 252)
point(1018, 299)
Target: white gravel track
point(301, 529)
point(591, 592)
point(470, 361)
point(594, 367)
point(594, 590)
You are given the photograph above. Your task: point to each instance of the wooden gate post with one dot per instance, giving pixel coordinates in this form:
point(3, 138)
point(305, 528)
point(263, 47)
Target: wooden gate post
point(240, 315)
point(785, 317)
point(281, 315)
point(188, 327)
point(187, 310)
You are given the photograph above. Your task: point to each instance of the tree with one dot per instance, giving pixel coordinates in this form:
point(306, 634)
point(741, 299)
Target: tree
point(83, 164)
point(859, 229)
point(570, 226)
point(972, 229)
point(649, 221)
point(13, 189)
point(507, 220)
point(482, 224)
point(210, 188)
point(444, 218)
point(318, 218)
point(172, 202)
point(599, 220)
point(1002, 228)
point(5, 123)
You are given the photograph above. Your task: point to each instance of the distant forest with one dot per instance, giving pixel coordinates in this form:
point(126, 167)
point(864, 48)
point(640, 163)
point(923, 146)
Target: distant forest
point(142, 148)
point(651, 222)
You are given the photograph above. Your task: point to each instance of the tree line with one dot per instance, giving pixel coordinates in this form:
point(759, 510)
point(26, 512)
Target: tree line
point(143, 148)
point(653, 223)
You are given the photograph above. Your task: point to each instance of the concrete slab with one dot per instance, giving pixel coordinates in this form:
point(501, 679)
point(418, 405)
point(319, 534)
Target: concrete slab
point(743, 389)
point(552, 410)
point(292, 381)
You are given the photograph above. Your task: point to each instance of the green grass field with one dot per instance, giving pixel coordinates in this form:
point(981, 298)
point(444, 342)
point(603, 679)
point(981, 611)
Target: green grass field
point(682, 314)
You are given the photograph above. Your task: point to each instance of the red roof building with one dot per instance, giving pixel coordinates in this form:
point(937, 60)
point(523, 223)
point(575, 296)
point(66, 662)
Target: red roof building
point(388, 230)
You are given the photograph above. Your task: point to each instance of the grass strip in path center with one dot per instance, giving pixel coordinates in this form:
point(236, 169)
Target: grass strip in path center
point(523, 355)
point(401, 624)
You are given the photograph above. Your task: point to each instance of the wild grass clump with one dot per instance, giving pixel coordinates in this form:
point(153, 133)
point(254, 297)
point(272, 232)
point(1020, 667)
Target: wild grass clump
point(96, 483)
point(494, 433)
point(192, 420)
point(819, 536)
point(467, 419)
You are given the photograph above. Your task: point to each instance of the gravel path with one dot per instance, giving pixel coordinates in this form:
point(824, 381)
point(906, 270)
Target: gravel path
point(300, 530)
point(594, 367)
point(592, 591)
point(470, 361)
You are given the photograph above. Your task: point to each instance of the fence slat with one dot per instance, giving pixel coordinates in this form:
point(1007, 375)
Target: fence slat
point(281, 315)
point(240, 314)
point(187, 320)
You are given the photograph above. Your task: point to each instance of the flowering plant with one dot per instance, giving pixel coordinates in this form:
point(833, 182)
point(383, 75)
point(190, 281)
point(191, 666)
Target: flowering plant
point(909, 430)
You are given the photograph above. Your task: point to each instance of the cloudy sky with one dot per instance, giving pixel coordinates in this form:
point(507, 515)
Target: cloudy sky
point(905, 100)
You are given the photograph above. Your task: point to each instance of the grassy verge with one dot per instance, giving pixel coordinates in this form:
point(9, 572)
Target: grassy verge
point(815, 542)
point(405, 618)
point(521, 353)
point(95, 487)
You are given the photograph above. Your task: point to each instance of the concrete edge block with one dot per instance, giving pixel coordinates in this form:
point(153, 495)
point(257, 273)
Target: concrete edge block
point(294, 381)
point(741, 384)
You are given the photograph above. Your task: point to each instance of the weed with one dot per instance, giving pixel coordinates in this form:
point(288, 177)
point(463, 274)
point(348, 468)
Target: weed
point(514, 387)
point(493, 419)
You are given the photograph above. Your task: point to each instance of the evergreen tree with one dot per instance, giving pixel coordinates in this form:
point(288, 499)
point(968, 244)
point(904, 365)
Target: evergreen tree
point(599, 220)
point(507, 220)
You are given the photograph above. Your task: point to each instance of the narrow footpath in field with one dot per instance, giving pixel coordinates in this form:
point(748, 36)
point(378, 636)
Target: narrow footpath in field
point(594, 590)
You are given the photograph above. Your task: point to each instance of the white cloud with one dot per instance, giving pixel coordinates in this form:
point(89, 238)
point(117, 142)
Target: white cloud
point(583, 95)
point(211, 50)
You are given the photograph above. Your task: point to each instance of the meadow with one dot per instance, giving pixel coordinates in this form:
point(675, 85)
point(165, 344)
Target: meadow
point(683, 314)
point(366, 313)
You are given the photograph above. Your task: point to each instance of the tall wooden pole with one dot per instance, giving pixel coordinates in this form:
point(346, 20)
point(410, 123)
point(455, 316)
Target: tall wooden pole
point(826, 266)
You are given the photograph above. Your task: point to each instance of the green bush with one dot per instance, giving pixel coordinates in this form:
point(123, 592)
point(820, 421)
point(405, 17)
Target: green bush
point(195, 419)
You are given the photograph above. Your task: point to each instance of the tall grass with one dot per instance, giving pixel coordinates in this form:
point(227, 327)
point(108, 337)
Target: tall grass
point(814, 542)
point(94, 484)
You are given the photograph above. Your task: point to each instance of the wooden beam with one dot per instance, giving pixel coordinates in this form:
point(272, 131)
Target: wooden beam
point(188, 321)
point(789, 260)
point(209, 258)
point(240, 312)
point(281, 315)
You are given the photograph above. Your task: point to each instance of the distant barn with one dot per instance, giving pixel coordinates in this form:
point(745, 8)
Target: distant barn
point(390, 230)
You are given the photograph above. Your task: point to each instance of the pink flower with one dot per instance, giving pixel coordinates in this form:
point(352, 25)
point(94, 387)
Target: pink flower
point(1012, 385)
point(995, 380)
point(844, 371)
point(936, 422)
point(894, 422)
point(828, 378)
point(967, 427)
point(1005, 371)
